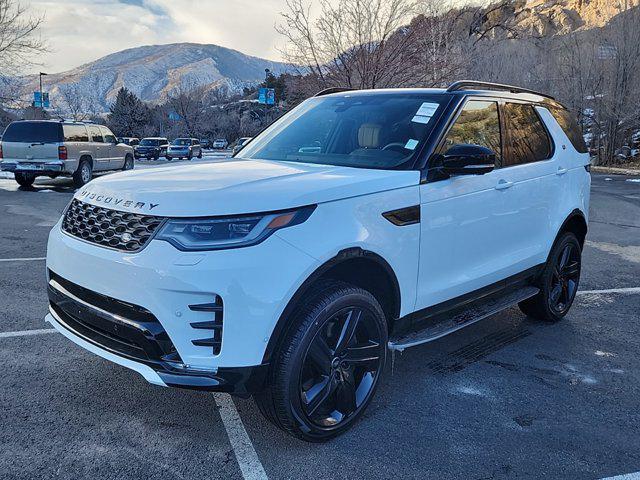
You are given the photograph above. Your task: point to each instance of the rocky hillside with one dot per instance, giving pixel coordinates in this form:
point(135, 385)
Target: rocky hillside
point(153, 72)
point(543, 18)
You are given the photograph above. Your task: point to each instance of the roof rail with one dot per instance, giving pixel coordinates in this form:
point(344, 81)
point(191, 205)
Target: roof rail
point(467, 84)
point(328, 91)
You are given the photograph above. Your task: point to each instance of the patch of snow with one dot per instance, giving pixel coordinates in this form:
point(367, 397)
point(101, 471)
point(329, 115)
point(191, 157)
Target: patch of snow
point(600, 353)
point(633, 180)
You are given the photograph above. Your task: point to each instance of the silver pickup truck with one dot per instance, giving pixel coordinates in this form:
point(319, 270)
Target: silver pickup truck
point(33, 148)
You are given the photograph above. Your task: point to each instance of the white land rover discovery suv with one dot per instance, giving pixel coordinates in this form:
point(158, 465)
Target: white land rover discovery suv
point(360, 223)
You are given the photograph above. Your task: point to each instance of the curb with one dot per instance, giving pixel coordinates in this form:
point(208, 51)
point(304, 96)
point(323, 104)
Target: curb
point(616, 171)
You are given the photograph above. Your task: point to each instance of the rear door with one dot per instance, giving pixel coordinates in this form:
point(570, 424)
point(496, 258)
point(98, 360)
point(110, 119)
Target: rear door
point(32, 143)
point(463, 217)
point(530, 166)
point(101, 151)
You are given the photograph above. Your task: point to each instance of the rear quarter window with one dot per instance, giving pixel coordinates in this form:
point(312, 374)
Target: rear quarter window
point(33, 132)
point(571, 128)
point(527, 137)
point(75, 133)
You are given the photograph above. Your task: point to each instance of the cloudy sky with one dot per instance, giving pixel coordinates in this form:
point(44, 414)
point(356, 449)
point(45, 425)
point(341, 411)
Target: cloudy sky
point(79, 31)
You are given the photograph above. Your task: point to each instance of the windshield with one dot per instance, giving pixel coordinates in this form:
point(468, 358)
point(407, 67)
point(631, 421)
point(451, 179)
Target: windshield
point(149, 142)
point(379, 130)
point(33, 132)
point(181, 142)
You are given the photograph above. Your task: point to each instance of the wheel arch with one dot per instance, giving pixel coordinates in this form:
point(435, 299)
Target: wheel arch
point(575, 223)
point(83, 157)
point(356, 266)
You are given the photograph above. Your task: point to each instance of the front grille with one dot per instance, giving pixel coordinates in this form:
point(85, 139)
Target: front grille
point(120, 327)
point(127, 232)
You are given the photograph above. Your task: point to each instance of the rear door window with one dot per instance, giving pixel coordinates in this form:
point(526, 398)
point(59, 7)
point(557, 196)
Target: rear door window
point(33, 132)
point(96, 136)
point(527, 139)
point(75, 133)
point(477, 124)
point(571, 128)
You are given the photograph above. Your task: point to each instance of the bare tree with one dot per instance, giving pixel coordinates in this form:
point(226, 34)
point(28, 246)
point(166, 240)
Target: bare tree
point(356, 43)
point(188, 103)
point(74, 104)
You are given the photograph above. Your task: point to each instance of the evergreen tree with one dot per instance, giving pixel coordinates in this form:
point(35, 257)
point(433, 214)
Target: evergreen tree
point(129, 116)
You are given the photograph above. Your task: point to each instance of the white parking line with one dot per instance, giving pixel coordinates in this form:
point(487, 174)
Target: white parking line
point(35, 259)
point(610, 290)
point(26, 333)
point(629, 476)
point(247, 458)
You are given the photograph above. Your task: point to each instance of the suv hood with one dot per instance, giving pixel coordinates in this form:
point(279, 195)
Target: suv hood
point(236, 187)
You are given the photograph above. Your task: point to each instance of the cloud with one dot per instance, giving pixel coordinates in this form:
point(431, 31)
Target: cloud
point(80, 31)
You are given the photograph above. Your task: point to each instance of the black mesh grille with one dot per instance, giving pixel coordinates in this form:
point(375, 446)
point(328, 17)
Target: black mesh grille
point(128, 232)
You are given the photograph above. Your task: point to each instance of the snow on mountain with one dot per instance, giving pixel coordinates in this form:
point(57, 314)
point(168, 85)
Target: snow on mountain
point(154, 72)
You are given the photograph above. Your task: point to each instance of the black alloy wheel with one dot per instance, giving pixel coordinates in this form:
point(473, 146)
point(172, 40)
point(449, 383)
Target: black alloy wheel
point(558, 281)
point(330, 364)
point(341, 367)
point(565, 278)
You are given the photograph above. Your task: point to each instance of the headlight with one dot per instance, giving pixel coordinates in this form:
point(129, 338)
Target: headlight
point(191, 234)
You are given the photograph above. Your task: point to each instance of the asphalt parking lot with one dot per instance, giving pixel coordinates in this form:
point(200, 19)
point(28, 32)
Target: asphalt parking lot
point(505, 398)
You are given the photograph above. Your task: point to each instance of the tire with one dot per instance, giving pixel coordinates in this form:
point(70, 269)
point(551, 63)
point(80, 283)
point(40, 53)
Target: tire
point(169, 158)
point(316, 357)
point(190, 156)
point(156, 156)
point(25, 179)
point(558, 282)
point(128, 163)
point(200, 154)
point(83, 174)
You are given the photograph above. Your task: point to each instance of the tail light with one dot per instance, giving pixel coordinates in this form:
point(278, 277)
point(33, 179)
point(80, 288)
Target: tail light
point(1, 156)
point(62, 153)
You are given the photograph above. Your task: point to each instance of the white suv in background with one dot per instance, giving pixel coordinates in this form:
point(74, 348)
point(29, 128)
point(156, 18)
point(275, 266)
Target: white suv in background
point(362, 222)
point(33, 148)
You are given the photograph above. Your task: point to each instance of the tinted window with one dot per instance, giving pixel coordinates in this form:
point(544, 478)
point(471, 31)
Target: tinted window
point(570, 127)
point(527, 138)
point(75, 133)
point(373, 130)
point(181, 142)
point(96, 136)
point(108, 136)
point(33, 132)
point(477, 124)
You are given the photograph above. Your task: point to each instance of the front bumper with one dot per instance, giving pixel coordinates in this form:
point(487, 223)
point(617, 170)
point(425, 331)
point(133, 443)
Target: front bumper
point(241, 381)
point(254, 283)
point(41, 168)
point(146, 153)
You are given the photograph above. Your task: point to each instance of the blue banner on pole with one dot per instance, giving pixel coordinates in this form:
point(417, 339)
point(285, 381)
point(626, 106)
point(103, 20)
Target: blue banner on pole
point(41, 101)
point(267, 96)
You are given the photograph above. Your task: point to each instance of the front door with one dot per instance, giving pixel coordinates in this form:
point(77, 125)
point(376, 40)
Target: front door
point(101, 153)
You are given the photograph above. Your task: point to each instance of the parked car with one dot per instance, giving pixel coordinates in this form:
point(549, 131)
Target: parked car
point(360, 223)
point(34, 148)
point(152, 148)
point(240, 143)
point(220, 144)
point(184, 148)
point(206, 144)
point(131, 141)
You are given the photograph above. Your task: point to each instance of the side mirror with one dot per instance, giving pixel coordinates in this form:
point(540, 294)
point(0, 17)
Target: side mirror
point(466, 159)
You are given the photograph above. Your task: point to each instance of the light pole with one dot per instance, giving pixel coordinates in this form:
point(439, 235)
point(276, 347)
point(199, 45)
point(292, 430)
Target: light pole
point(42, 74)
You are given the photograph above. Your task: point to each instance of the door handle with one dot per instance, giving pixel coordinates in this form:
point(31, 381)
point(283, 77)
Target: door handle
point(503, 185)
point(561, 171)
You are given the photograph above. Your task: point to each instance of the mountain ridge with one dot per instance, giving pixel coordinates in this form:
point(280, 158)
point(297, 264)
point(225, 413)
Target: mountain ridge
point(154, 72)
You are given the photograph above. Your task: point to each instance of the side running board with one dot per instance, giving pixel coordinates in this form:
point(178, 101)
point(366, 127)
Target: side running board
point(450, 323)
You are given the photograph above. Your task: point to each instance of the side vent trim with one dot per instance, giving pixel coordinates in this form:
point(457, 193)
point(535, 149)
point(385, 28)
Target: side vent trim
point(404, 216)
